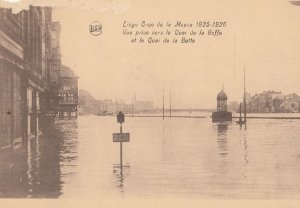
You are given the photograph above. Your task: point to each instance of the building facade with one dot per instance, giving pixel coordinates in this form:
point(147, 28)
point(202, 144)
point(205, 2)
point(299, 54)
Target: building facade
point(68, 93)
point(55, 65)
point(27, 51)
point(273, 102)
point(36, 24)
point(87, 103)
point(12, 75)
point(142, 106)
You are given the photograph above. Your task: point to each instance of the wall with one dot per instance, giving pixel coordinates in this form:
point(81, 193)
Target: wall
point(10, 108)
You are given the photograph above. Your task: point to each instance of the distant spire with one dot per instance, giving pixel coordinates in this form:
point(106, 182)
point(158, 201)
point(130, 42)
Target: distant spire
point(223, 87)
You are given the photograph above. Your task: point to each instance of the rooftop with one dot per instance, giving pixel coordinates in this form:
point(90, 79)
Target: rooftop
point(222, 95)
point(67, 72)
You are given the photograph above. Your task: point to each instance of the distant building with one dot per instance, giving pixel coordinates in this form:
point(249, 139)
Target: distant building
point(128, 108)
point(233, 105)
point(273, 102)
point(120, 104)
point(290, 106)
point(87, 103)
point(109, 106)
point(68, 93)
point(142, 106)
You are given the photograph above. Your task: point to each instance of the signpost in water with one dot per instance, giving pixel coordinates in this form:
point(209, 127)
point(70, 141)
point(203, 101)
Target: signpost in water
point(121, 137)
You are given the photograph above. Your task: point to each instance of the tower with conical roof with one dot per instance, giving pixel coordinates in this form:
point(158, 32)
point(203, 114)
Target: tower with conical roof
point(222, 101)
point(222, 114)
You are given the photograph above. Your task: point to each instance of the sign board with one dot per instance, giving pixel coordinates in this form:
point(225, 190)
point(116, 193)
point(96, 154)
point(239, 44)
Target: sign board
point(121, 137)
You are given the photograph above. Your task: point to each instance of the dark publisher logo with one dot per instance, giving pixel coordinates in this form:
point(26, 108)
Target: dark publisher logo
point(95, 28)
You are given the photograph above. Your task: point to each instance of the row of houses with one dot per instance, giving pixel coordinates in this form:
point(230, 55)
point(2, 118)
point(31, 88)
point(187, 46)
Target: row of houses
point(272, 102)
point(30, 73)
point(89, 105)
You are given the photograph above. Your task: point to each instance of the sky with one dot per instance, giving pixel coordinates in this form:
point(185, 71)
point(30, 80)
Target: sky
point(261, 35)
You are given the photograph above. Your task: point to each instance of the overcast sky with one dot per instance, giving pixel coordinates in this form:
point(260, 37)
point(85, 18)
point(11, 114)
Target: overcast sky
point(262, 34)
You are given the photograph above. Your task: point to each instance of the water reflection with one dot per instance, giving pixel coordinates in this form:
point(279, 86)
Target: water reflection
point(43, 171)
point(12, 171)
point(222, 139)
point(209, 161)
point(245, 149)
point(38, 171)
point(121, 172)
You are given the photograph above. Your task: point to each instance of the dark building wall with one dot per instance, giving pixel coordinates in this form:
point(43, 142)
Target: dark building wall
point(10, 108)
point(36, 23)
point(56, 56)
point(11, 66)
point(25, 57)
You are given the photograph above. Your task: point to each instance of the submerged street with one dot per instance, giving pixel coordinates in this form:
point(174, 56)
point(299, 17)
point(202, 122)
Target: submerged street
point(175, 157)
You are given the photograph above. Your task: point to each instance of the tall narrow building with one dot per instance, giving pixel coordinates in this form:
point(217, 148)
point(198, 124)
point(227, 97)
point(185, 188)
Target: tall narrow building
point(55, 65)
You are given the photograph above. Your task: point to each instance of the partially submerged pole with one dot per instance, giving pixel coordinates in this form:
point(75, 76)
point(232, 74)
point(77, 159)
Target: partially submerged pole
point(240, 119)
point(132, 107)
point(121, 148)
point(170, 105)
point(245, 105)
point(163, 102)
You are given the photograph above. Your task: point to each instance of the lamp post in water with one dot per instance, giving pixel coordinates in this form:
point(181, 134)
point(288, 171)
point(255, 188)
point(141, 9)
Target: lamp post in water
point(121, 137)
point(121, 119)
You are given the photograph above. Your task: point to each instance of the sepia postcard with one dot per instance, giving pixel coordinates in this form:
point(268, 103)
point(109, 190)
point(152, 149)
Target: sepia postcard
point(172, 103)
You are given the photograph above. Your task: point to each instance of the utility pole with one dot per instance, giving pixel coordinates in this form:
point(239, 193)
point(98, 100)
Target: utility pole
point(121, 137)
point(121, 148)
point(132, 107)
point(245, 105)
point(163, 102)
point(170, 105)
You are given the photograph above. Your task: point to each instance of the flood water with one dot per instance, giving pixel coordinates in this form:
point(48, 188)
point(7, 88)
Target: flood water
point(174, 157)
